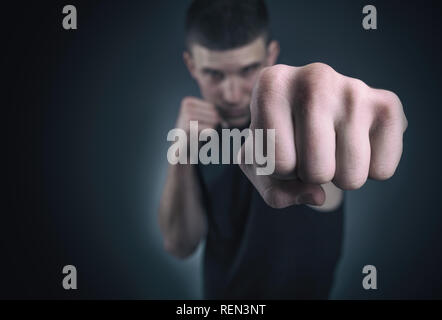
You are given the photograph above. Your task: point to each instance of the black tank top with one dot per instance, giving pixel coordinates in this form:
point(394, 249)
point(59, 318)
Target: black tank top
point(253, 251)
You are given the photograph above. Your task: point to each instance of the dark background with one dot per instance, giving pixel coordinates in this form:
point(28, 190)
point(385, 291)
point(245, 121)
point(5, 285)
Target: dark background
point(85, 115)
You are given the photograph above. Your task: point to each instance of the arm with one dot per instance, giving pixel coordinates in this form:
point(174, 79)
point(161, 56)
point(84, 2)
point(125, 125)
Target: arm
point(181, 216)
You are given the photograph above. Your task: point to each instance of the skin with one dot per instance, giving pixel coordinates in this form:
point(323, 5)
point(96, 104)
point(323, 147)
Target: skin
point(226, 78)
point(329, 127)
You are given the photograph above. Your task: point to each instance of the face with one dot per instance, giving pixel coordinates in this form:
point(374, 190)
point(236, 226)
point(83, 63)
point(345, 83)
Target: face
point(226, 78)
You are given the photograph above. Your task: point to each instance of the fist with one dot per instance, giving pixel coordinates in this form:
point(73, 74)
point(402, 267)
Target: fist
point(194, 109)
point(329, 128)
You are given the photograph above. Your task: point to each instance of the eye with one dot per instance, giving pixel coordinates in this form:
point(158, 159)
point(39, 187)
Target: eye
point(215, 75)
point(247, 71)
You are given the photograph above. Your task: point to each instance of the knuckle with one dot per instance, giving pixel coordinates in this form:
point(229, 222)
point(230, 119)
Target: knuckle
point(265, 77)
point(319, 69)
point(390, 110)
point(270, 77)
point(357, 86)
point(186, 102)
point(391, 98)
point(315, 88)
point(316, 75)
point(270, 85)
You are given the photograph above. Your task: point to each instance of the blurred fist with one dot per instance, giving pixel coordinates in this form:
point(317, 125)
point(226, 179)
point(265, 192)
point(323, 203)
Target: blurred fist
point(194, 109)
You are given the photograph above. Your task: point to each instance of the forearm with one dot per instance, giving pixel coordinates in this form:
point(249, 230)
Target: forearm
point(181, 215)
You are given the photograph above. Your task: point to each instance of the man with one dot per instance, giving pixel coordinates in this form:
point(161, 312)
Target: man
point(275, 236)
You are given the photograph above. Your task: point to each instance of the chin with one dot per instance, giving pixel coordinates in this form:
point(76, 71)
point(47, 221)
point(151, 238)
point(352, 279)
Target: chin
point(238, 122)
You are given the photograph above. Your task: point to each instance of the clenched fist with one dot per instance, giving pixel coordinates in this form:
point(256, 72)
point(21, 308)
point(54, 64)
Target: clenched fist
point(329, 128)
point(195, 109)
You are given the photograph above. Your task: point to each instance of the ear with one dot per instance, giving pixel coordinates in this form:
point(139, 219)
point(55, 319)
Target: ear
point(272, 52)
point(188, 61)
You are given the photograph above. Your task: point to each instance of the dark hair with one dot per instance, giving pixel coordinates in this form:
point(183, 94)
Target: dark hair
point(226, 24)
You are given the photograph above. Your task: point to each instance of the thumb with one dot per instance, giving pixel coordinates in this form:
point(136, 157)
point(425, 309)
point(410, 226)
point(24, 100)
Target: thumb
point(284, 193)
point(314, 196)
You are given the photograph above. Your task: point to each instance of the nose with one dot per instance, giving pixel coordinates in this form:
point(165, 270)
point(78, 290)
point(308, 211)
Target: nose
point(232, 91)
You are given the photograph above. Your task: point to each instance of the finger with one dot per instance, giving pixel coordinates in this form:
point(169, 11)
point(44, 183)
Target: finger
point(315, 144)
point(270, 109)
point(202, 113)
point(386, 135)
point(192, 105)
point(283, 193)
point(203, 118)
point(203, 106)
point(352, 155)
point(334, 198)
point(201, 110)
point(199, 103)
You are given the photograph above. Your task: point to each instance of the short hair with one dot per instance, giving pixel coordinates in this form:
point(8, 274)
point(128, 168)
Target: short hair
point(226, 24)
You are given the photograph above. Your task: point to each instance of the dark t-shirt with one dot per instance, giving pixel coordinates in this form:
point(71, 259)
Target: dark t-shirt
point(253, 251)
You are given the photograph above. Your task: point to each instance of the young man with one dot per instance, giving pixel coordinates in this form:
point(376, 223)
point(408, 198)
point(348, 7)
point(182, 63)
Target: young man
point(275, 236)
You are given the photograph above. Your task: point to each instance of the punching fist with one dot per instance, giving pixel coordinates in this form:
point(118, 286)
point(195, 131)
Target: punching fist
point(195, 109)
point(329, 128)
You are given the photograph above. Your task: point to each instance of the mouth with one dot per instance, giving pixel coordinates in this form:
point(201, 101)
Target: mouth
point(234, 112)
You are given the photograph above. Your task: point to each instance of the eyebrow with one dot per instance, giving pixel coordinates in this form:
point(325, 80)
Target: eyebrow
point(251, 65)
point(210, 70)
